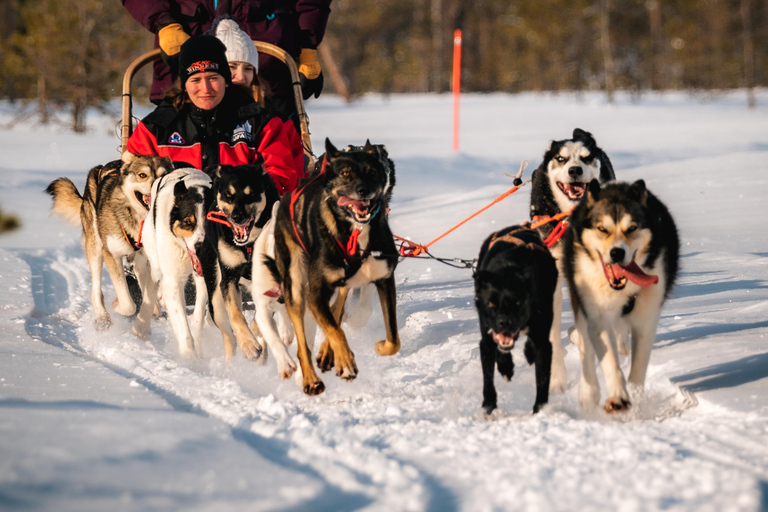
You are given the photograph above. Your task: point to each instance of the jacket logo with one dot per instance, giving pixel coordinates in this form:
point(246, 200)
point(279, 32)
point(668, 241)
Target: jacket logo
point(242, 132)
point(176, 138)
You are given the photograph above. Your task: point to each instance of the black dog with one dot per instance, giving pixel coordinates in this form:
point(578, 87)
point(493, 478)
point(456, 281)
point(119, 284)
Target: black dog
point(242, 205)
point(331, 234)
point(514, 285)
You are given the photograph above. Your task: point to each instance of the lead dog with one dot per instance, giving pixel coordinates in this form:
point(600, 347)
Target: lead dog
point(514, 285)
point(173, 234)
point(558, 185)
point(113, 206)
point(242, 205)
point(621, 260)
point(332, 234)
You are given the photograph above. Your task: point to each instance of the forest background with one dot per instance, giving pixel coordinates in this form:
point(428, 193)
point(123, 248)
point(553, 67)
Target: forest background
point(61, 57)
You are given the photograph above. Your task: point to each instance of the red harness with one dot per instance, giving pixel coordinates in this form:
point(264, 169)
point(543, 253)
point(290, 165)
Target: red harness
point(350, 250)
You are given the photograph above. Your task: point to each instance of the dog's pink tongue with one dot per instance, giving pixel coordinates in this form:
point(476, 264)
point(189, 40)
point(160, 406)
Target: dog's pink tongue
point(633, 272)
point(505, 339)
point(195, 262)
point(360, 206)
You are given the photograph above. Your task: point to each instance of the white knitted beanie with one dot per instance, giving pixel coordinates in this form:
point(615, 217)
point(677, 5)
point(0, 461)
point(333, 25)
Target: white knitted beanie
point(240, 48)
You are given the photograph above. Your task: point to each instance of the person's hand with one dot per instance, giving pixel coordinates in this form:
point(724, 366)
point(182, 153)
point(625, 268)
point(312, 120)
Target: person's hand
point(310, 74)
point(171, 37)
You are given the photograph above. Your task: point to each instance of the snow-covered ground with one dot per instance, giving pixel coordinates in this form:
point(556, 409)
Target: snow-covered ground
point(103, 421)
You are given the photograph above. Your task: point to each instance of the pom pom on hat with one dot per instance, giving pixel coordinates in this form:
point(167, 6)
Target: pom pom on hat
point(240, 47)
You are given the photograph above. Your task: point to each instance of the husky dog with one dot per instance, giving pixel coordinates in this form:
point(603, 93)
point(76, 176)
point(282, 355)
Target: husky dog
point(242, 205)
point(331, 235)
point(173, 233)
point(558, 185)
point(621, 260)
point(268, 303)
point(363, 307)
point(113, 206)
point(514, 284)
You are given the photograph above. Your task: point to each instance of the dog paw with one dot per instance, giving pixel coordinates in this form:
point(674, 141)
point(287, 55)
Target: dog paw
point(127, 309)
point(345, 366)
point(538, 406)
point(285, 369)
point(387, 348)
point(616, 404)
point(488, 408)
point(558, 381)
point(251, 350)
point(141, 330)
point(588, 397)
point(103, 323)
point(325, 359)
point(263, 357)
point(314, 387)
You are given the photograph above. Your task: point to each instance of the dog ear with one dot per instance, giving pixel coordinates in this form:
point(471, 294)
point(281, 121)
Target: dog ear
point(639, 192)
point(128, 157)
point(259, 160)
point(370, 148)
point(164, 165)
point(579, 134)
point(213, 171)
point(180, 188)
point(330, 150)
point(593, 192)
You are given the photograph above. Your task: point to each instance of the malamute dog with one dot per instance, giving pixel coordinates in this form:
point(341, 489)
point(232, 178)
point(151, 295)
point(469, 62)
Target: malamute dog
point(173, 233)
point(558, 185)
point(332, 234)
point(620, 260)
point(514, 284)
point(242, 205)
point(113, 206)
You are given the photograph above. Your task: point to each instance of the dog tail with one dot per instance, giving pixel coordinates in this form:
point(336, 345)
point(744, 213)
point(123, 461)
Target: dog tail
point(271, 265)
point(67, 201)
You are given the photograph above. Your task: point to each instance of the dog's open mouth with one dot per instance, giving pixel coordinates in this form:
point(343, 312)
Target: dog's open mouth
point(361, 209)
point(505, 340)
point(143, 199)
point(618, 275)
point(242, 232)
point(573, 190)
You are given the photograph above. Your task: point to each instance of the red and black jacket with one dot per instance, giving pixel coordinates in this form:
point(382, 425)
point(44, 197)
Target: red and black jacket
point(227, 135)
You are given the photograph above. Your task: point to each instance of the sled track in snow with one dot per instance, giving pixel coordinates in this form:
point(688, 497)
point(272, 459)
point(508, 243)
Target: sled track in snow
point(391, 439)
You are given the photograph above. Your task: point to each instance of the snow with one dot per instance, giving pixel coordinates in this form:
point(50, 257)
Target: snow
point(104, 421)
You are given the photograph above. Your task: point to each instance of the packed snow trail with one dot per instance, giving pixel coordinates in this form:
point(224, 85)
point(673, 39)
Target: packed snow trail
point(408, 433)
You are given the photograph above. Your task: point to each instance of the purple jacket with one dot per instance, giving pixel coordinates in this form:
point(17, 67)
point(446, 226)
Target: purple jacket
point(289, 24)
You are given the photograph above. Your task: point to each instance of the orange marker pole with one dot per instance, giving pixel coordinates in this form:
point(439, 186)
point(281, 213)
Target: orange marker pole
point(456, 85)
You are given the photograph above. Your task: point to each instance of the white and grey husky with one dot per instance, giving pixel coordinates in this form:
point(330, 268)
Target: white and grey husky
point(621, 261)
point(113, 206)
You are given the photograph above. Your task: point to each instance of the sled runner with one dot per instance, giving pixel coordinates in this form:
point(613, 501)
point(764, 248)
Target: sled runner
point(269, 49)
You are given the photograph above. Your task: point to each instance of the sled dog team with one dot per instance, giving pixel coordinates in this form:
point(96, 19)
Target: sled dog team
point(301, 254)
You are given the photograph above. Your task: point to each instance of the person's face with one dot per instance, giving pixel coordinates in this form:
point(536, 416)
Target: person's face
point(206, 89)
point(242, 73)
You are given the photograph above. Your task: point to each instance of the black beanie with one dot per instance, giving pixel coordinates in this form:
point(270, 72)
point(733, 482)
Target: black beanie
point(203, 53)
